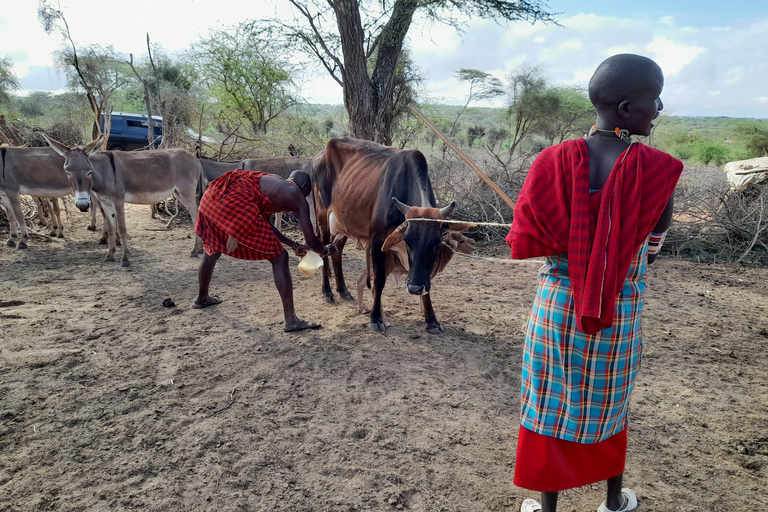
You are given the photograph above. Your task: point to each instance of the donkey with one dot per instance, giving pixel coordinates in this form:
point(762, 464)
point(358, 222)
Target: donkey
point(117, 177)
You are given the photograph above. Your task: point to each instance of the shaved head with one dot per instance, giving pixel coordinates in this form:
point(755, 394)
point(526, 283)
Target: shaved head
point(303, 181)
point(623, 77)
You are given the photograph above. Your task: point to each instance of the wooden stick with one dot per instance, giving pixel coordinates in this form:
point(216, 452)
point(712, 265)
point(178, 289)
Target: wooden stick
point(464, 157)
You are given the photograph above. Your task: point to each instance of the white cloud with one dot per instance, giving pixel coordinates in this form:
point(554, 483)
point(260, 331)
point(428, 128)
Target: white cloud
point(710, 70)
point(673, 56)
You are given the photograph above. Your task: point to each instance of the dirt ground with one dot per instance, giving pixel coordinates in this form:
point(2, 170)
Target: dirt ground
point(111, 401)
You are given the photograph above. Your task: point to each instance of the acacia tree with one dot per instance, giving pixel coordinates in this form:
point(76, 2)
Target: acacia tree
point(8, 80)
point(572, 114)
point(83, 74)
point(362, 29)
point(245, 72)
point(482, 86)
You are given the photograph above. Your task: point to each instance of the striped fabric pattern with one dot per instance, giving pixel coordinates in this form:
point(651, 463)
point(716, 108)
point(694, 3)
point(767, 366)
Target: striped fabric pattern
point(655, 241)
point(576, 386)
point(234, 206)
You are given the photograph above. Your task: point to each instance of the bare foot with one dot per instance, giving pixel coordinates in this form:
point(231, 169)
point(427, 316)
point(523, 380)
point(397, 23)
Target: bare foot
point(212, 301)
point(300, 325)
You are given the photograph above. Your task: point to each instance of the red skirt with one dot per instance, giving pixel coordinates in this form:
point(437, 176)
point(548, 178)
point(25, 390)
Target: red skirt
point(548, 464)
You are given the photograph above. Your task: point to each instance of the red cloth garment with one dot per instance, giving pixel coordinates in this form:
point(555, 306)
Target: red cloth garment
point(235, 206)
point(549, 464)
point(555, 213)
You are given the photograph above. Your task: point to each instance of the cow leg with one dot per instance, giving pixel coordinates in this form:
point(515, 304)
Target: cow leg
point(378, 259)
point(278, 220)
point(324, 233)
point(360, 289)
point(187, 198)
point(341, 286)
point(57, 229)
point(433, 326)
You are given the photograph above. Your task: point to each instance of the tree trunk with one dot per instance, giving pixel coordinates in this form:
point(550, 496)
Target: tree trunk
point(367, 98)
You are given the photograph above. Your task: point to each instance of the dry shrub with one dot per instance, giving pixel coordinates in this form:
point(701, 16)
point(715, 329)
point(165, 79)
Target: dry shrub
point(712, 222)
point(452, 179)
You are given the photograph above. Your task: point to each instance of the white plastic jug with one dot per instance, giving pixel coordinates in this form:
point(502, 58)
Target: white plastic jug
point(310, 263)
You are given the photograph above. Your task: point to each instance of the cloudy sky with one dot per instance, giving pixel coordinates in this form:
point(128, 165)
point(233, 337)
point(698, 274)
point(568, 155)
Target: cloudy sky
point(713, 53)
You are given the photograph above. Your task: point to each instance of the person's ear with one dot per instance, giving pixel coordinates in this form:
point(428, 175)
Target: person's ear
point(624, 109)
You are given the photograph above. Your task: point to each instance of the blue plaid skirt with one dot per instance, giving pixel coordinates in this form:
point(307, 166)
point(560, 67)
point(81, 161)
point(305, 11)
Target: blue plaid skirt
point(576, 386)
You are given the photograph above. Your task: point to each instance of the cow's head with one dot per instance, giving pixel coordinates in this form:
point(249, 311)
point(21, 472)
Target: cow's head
point(424, 242)
point(79, 169)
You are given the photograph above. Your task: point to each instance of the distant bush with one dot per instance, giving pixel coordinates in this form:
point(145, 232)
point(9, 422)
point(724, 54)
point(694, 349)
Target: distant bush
point(708, 152)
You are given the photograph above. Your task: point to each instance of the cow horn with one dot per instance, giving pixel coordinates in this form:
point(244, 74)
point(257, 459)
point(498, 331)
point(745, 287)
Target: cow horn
point(447, 210)
point(401, 206)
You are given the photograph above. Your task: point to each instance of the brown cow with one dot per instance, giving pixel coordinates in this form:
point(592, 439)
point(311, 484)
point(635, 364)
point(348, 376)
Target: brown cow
point(397, 267)
point(369, 192)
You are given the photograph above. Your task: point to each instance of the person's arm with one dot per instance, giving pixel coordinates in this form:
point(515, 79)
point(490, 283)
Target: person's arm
point(314, 243)
point(660, 229)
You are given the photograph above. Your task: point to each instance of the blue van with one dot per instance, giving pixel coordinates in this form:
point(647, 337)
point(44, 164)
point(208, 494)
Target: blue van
point(129, 131)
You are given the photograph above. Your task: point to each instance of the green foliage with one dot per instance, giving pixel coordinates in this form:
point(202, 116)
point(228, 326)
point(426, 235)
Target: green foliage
point(708, 151)
point(754, 133)
point(8, 80)
point(246, 75)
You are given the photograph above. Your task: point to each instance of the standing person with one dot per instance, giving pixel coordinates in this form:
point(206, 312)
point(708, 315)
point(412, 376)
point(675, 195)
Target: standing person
point(597, 208)
point(233, 219)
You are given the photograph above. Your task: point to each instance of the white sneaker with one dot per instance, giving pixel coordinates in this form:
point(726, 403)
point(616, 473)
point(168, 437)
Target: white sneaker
point(629, 502)
point(530, 505)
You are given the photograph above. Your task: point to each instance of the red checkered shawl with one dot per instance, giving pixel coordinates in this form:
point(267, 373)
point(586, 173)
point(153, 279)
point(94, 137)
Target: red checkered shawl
point(555, 213)
point(234, 205)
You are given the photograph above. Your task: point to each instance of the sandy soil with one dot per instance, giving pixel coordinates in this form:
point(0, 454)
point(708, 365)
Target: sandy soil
point(111, 401)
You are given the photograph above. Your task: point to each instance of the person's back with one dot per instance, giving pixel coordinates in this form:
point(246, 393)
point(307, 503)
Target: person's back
point(590, 206)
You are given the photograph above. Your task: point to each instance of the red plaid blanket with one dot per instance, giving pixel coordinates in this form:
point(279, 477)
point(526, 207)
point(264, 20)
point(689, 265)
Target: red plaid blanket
point(234, 206)
point(601, 232)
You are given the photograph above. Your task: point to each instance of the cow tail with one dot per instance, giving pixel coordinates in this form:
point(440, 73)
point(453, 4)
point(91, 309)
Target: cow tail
point(2, 152)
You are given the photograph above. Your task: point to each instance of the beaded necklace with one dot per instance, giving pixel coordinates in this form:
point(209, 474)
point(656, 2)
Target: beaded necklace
point(623, 134)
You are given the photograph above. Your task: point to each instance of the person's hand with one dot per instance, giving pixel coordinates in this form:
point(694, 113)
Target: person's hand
point(301, 250)
point(331, 249)
point(231, 244)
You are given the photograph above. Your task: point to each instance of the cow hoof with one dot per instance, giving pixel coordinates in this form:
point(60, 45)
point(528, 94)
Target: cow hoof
point(52, 233)
point(91, 228)
point(347, 297)
point(107, 259)
point(10, 243)
point(125, 263)
point(193, 255)
point(377, 326)
point(21, 245)
point(436, 329)
point(60, 236)
point(329, 299)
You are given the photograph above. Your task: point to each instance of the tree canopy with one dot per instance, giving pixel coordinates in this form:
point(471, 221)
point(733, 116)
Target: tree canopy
point(343, 35)
point(8, 80)
point(246, 74)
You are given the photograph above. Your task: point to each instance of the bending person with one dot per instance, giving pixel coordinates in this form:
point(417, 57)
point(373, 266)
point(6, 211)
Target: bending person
point(233, 219)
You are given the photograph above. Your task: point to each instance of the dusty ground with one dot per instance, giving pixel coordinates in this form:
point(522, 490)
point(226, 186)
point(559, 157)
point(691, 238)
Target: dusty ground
point(111, 401)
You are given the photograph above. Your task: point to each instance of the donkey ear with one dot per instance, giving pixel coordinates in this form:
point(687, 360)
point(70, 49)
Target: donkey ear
point(57, 146)
point(93, 146)
point(394, 237)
